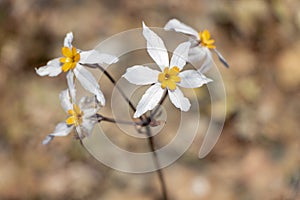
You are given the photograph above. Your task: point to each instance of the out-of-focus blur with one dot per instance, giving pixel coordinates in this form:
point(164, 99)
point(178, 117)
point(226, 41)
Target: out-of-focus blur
point(257, 156)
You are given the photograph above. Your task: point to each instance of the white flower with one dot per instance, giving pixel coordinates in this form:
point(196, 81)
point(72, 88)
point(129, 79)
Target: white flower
point(71, 63)
point(201, 44)
point(166, 80)
point(81, 116)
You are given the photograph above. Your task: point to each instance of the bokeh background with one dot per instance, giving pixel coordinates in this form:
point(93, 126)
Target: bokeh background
point(257, 156)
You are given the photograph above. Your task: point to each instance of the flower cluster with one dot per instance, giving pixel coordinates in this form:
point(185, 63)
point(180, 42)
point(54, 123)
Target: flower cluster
point(72, 63)
point(165, 81)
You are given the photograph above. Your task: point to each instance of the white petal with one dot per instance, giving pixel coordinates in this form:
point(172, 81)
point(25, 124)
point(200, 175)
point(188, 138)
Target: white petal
point(88, 82)
point(221, 58)
point(95, 57)
point(79, 132)
point(194, 42)
point(180, 55)
point(179, 100)
point(178, 26)
point(61, 129)
point(90, 112)
point(156, 48)
point(71, 85)
point(65, 100)
point(87, 126)
point(141, 75)
point(53, 68)
point(149, 100)
point(207, 65)
point(47, 139)
point(68, 40)
point(201, 58)
point(85, 129)
point(88, 102)
point(192, 79)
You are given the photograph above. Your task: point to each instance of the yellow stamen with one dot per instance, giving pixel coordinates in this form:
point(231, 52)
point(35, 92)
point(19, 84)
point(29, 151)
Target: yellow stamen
point(205, 39)
point(169, 78)
point(70, 59)
point(75, 117)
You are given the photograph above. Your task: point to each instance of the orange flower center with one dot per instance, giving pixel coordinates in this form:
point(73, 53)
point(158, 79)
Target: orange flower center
point(169, 78)
point(75, 116)
point(70, 59)
point(205, 39)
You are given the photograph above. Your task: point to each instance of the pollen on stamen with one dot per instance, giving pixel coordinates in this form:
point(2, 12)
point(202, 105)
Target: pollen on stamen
point(75, 117)
point(169, 78)
point(70, 59)
point(205, 39)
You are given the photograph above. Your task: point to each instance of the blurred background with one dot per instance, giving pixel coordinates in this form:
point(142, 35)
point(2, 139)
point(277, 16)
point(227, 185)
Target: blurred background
point(257, 156)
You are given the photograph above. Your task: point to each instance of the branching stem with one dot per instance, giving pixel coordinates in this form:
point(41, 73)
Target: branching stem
point(144, 122)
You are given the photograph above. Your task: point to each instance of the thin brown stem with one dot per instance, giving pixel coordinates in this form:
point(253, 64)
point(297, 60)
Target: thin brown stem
point(113, 82)
point(111, 120)
point(156, 163)
point(145, 121)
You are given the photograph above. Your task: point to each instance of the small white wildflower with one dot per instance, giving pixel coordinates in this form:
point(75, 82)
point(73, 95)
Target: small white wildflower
point(168, 78)
point(71, 63)
point(202, 43)
point(81, 116)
